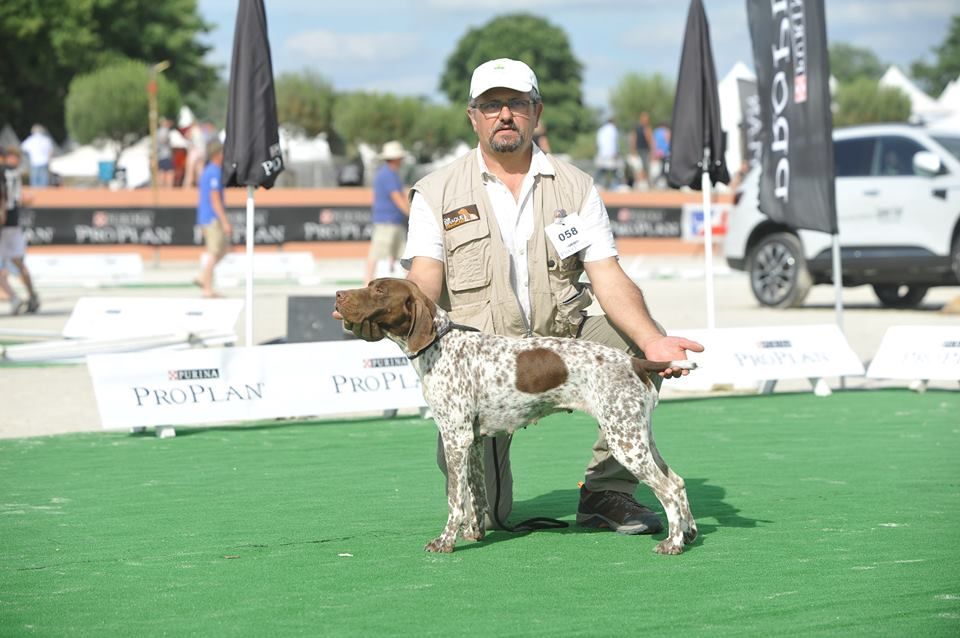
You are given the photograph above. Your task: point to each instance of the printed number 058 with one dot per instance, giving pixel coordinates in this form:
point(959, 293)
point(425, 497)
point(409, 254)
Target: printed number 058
point(567, 234)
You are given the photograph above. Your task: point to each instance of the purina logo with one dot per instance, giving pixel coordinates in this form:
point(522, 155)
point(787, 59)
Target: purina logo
point(388, 362)
point(192, 375)
point(776, 343)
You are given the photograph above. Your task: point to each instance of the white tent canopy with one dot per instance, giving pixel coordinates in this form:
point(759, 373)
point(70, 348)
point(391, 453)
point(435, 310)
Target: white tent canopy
point(923, 108)
point(728, 91)
point(949, 100)
point(84, 161)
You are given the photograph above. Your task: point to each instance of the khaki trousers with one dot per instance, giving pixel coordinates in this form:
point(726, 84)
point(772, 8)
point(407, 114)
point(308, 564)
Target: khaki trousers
point(603, 473)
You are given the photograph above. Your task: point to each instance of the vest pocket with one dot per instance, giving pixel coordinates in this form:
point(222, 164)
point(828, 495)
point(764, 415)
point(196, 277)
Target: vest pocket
point(572, 302)
point(476, 315)
point(468, 256)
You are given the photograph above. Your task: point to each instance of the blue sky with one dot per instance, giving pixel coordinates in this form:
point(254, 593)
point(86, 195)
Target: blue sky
point(401, 46)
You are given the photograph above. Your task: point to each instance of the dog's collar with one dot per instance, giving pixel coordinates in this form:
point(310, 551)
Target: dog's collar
point(442, 332)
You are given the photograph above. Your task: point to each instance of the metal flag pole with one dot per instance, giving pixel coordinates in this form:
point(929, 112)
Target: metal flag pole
point(706, 189)
point(838, 291)
point(248, 320)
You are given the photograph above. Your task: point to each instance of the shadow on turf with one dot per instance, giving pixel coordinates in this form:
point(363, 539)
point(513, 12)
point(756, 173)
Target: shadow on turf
point(706, 501)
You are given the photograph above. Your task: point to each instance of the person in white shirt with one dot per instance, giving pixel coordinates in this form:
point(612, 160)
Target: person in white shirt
point(39, 149)
point(608, 155)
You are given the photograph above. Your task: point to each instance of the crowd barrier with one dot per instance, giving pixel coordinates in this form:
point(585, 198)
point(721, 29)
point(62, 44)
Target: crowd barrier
point(206, 387)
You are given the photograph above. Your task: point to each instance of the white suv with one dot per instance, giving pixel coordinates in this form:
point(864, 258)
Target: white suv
point(898, 211)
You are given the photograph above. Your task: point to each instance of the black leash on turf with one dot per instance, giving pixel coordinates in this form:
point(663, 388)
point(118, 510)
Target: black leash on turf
point(529, 525)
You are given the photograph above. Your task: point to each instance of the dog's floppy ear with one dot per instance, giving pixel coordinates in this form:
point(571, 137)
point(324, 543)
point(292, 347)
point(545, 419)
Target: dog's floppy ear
point(422, 331)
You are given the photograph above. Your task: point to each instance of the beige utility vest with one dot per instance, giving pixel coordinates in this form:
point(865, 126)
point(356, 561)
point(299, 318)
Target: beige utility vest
point(477, 290)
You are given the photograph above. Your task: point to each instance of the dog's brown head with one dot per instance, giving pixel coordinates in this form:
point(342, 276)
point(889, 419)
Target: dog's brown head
point(392, 308)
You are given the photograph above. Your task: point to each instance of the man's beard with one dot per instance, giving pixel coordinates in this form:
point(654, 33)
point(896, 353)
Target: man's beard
point(506, 146)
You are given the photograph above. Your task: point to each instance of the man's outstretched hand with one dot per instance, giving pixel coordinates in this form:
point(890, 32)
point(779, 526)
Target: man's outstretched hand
point(670, 349)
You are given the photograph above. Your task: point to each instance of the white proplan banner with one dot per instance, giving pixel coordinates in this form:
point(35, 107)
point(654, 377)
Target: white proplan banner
point(205, 386)
point(771, 353)
point(918, 352)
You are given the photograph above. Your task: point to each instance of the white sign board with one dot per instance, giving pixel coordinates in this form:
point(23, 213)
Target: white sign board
point(277, 265)
point(87, 268)
point(769, 353)
point(918, 352)
point(204, 386)
point(115, 317)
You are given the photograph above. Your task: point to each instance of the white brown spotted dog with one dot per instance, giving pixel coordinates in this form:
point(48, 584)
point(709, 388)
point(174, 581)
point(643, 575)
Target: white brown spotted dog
point(478, 385)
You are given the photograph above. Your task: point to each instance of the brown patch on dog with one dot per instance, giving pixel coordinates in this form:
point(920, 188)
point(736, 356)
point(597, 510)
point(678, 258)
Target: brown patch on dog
point(539, 370)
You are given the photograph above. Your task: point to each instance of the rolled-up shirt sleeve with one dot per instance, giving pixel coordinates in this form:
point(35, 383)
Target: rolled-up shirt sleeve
point(424, 238)
point(595, 222)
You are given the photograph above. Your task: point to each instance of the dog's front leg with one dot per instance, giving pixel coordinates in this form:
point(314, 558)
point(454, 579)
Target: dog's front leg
point(457, 438)
point(473, 527)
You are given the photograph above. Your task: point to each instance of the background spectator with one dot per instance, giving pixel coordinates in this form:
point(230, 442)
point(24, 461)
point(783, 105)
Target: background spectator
point(390, 210)
point(39, 149)
point(608, 155)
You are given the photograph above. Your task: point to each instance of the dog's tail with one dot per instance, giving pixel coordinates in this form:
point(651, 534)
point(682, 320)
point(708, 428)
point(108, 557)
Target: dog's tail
point(643, 367)
point(660, 366)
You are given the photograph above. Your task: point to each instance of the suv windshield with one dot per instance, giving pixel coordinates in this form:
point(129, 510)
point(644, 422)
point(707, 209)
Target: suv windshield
point(952, 144)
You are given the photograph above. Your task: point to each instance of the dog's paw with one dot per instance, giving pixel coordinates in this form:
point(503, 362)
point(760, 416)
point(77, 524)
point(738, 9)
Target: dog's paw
point(668, 547)
point(690, 533)
point(474, 534)
point(439, 546)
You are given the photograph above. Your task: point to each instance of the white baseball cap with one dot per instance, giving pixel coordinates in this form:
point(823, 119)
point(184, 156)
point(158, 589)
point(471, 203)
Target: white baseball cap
point(393, 150)
point(504, 72)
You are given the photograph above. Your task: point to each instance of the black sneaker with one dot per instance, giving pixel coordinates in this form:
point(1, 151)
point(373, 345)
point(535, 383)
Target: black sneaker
point(616, 511)
point(33, 304)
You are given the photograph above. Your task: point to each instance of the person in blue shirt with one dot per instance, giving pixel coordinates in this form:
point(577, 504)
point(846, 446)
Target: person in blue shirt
point(212, 217)
point(390, 210)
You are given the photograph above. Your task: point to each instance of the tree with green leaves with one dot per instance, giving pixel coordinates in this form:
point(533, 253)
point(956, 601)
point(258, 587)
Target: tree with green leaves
point(305, 101)
point(864, 101)
point(111, 103)
point(546, 49)
point(946, 68)
point(375, 118)
point(636, 93)
point(849, 62)
point(45, 44)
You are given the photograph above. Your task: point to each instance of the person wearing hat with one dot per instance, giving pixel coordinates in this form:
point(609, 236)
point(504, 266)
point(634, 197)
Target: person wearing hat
point(487, 242)
point(212, 217)
point(390, 210)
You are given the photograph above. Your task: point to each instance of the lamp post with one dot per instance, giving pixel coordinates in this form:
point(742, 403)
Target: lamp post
point(157, 68)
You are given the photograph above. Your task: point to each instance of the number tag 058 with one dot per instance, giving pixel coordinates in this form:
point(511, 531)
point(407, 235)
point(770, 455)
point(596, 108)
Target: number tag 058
point(567, 235)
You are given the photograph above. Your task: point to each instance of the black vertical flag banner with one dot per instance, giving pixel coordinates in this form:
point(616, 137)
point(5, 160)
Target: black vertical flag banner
point(696, 109)
point(751, 122)
point(793, 70)
point(251, 153)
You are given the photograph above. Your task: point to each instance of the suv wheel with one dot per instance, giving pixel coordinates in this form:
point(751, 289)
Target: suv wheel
point(900, 296)
point(778, 271)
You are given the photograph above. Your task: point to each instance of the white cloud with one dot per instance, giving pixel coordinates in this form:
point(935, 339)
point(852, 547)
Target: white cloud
point(320, 45)
point(857, 13)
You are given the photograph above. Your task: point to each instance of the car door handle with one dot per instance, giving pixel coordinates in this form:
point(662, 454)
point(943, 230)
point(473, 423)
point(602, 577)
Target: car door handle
point(940, 193)
point(871, 193)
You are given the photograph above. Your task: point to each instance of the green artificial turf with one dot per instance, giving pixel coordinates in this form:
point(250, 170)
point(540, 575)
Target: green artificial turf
point(818, 516)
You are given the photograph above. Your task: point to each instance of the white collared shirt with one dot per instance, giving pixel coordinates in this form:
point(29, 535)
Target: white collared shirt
point(515, 219)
